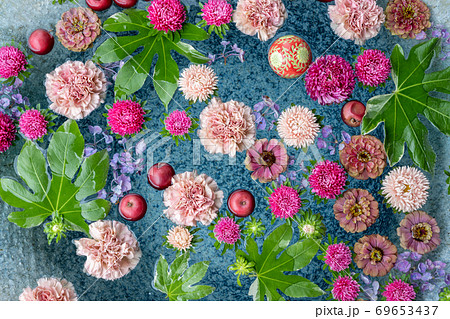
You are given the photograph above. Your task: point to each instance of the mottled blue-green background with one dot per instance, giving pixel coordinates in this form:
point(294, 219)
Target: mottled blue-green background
point(25, 255)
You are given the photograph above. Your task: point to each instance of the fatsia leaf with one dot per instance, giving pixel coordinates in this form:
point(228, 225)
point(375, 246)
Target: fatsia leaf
point(269, 270)
point(56, 195)
point(135, 71)
point(178, 282)
point(399, 109)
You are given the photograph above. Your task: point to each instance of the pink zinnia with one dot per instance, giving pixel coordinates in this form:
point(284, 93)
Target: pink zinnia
point(407, 18)
point(166, 15)
point(345, 289)
point(372, 67)
point(7, 132)
point(227, 231)
point(50, 289)
point(126, 117)
point(398, 290)
point(375, 255)
point(338, 257)
point(33, 124)
point(12, 61)
point(327, 179)
point(178, 123)
point(330, 79)
point(284, 202)
point(217, 12)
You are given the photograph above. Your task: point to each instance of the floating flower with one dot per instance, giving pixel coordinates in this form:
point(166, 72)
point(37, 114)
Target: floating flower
point(330, 79)
point(217, 12)
point(262, 17)
point(356, 210)
point(375, 255)
point(227, 127)
point(298, 126)
point(33, 124)
point(311, 225)
point(227, 231)
point(50, 289)
point(398, 290)
point(178, 123)
point(356, 20)
point(419, 232)
point(338, 257)
point(12, 62)
point(198, 82)
point(126, 117)
point(192, 198)
point(327, 179)
point(75, 89)
point(407, 18)
point(284, 202)
point(78, 28)
point(7, 132)
point(372, 67)
point(267, 160)
point(167, 15)
point(406, 188)
point(364, 157)
point(180, 238)
point(345, 288)
point(112, 252)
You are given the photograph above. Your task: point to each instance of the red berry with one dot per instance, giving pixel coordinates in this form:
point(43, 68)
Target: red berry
point(99, 5)
point(125, 3)
point(132, 207)
point(241, 203)
point(160, 176)
point(352, 113)
point(41, 41)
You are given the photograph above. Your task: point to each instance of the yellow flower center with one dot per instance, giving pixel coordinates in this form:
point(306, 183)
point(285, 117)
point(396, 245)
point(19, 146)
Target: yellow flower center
point(356, 210)
point(364, 156)
point(376, 254)
point(422, 232)
point(78, 25)
point(408, 12)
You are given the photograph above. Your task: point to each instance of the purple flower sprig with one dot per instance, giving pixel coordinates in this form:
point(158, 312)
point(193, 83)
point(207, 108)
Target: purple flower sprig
point(369, 288)
point(92, 148)
point(438, 31)
point(111, 69)
point(235, 51)
point(330, 142)
point(11, 99)
point(292, 174)
point(263, 110)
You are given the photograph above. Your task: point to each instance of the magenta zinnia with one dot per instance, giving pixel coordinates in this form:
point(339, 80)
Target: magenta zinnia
point(327, 179)
point(33, 124)
point(375, 255)
point(166, 15)
point(345, 288)
point(227, 231)
point(372, 68)
point(217, 12)
point(338, 257)
point(7, 132)
point(12, 62)
point(178, 123)
point(407, 18)
point(284, 202)
point(330, 79)
point(398, 290)
point(126, 117)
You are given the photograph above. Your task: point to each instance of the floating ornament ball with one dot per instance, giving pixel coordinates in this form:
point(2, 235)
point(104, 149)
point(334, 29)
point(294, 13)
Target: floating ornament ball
point(290, 56)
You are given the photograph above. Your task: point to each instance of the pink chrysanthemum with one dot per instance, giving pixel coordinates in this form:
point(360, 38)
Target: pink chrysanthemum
point(345, 289)
point(126, 117)
point(50, 289)
point(33, 124)
point(407, 18)
point(398, 290)
point(227, 231)
point(338, 257)
point(330, 79)
point(298, 126)
point(406, 188)
point(180, 238)
point(217, 12)
point(198, 82)
point(372, 67)
point(375, 255)
point(327, 179)
point(12, 62)
point(178, 123)
point(284, 202)
point(7, 132)
point(166, 15)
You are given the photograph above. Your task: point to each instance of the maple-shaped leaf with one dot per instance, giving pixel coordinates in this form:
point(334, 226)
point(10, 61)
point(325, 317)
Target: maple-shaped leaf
point(399, 110)
point(269, 270)
point(177, 282)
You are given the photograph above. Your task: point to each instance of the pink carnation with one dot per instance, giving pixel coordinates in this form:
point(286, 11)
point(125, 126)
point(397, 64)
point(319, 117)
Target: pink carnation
point(166, 15)
point(398, 290)
point(227, 231)
point(192, 198)
point(345, 289)
point(327, 179)
point(330, 79)
point(112, 252)
point(217, 12)
point(338, 257)
point(178, 123)
point(7, 132)
point(284, 202)
point(33, 124)
point(12, 61)
point(50, 289)
point(126, 117)
point(372, 67)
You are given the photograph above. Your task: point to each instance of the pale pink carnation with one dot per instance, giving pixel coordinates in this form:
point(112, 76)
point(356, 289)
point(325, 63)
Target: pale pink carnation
point(327, 179)
point(284, 202)
point(112, 252)
point(227, 231)
point(178, 123)
point(7, 132)
point(76, 89)
point(338, 257)
point(192, 198)
point(372, 67)
point(166, 15)
point(198, 82)
point(356, 20)
point(33, 124)
point(50, 289)
point(398, 290)
point(262, 17)
point(126, 117)
point(345, 288)
point(406, 188)
point(12, 62)
point(217, 12)
point(227, 128)
point(180, 238)
point(298, 126)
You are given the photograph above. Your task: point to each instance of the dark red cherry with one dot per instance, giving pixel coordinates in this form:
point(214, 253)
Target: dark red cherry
point(241, 203)
point(352, 113)
point(41, 41)
point(160, 175)
point(125, 3)
point(99, 5)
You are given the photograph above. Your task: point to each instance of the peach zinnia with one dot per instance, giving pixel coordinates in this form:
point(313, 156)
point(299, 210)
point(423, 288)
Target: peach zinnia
point(375, 255)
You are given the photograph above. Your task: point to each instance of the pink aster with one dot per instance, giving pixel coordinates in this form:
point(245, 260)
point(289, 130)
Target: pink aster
point(166, 15)
point(217, 12)
point(12, 61)
point(50, 289)
point(330, 79)
point(398, 290)
point(284, 202)
point(345, 289)
point(7, 132)
point(126, 117)
point(338, 257)
point(327, 179)
point(178, 123)
point(198, 82)
point(227, 231)
point(180, 238)
point(33, 124)
point(372, 67)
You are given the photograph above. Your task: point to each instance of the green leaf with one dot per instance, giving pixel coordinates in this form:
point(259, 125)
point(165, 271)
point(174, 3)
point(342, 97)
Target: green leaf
point(194, 33)
point(399, 109)
point(178, 282)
